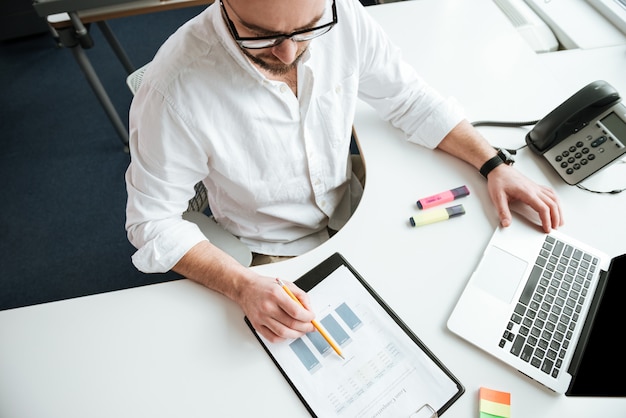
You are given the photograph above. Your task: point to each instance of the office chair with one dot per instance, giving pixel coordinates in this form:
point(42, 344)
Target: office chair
point(199, 203)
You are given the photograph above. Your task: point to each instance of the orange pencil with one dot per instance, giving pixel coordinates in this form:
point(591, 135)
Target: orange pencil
point(317, 326)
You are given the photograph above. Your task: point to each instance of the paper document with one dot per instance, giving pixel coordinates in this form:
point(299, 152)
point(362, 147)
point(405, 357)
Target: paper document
point(385, 372)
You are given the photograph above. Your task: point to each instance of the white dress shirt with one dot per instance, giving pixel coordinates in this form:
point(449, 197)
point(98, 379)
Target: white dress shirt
point(276, 167)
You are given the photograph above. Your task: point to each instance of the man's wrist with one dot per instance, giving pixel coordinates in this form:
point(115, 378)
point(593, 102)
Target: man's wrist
point(502, 157)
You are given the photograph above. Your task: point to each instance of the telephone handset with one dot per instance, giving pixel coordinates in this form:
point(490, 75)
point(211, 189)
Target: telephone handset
point(584, 134)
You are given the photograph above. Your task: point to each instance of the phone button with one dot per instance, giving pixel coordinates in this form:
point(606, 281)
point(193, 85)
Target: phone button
point(601, 140)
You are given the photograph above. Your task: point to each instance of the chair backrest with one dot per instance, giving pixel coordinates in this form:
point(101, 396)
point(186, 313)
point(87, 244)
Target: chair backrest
point(133, 81)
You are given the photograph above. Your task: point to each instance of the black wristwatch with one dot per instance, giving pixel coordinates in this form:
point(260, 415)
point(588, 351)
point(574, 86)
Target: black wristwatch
point(503, 157)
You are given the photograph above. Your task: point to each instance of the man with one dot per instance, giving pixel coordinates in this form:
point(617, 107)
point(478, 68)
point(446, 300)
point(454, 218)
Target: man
point(256, 99)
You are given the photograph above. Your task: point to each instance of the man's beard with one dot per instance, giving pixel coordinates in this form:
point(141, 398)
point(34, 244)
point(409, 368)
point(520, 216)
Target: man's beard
point(276, 68)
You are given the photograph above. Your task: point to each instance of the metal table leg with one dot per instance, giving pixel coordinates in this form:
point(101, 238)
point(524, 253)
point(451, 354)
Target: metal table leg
point(101, 93)
point(116, 47)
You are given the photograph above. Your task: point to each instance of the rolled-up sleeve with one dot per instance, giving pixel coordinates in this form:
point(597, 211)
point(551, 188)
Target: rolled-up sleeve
point(399, 94)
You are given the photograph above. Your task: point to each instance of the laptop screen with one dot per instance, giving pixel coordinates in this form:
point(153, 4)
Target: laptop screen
point(603, 366)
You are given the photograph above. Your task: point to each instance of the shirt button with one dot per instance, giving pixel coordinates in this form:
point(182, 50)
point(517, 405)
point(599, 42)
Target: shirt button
point(323, 203)
point(338, 89)
point(284, 89)
point(317, 182)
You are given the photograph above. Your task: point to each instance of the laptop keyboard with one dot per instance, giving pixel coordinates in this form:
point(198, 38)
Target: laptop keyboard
point(546, 314)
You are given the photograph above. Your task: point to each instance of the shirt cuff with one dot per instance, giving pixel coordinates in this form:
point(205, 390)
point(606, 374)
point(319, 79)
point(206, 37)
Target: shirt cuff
point(438, 124)
point(162, 253)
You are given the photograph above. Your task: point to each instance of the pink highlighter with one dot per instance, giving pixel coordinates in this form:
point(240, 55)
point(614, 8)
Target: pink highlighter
point(443, 197)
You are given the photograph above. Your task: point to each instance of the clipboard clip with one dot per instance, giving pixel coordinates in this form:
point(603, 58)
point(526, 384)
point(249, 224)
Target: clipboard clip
point(425, 411)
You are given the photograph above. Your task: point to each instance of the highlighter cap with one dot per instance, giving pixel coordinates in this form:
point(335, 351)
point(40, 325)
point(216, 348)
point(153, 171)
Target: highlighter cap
point(460, 192)
point(457, 210)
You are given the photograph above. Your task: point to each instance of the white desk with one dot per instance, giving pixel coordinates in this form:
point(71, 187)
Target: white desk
point(577, 67)
point(177, 349)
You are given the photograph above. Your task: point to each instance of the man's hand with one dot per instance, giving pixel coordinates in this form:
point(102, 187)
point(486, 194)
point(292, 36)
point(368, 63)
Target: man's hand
point(272, 312)
point(507, 185)
point(269, 308)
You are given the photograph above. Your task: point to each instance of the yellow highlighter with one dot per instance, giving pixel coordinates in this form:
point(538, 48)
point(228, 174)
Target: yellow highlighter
point(436, 215)
point(317, 326)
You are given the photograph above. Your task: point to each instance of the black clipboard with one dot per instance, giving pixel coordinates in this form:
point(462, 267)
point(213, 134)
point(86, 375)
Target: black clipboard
point(394, 358)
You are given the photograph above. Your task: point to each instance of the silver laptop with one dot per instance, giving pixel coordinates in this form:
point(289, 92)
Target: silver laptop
point(549, 306)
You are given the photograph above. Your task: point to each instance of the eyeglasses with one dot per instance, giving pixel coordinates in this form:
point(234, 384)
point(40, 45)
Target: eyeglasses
point(260, 42)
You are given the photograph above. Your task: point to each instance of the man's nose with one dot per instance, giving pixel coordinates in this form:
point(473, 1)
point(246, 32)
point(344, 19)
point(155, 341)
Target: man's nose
point(286, 51)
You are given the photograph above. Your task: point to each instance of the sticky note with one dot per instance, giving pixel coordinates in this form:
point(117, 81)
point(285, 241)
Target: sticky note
point(494, 404)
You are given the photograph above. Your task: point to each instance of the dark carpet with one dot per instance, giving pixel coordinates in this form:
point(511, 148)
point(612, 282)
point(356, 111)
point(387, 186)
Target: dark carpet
point(62, 165)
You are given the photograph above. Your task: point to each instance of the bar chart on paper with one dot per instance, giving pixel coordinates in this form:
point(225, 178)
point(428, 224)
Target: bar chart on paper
point(306, 354)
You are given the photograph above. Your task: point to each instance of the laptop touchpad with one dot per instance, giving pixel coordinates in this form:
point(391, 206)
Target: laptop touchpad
point(500, 273)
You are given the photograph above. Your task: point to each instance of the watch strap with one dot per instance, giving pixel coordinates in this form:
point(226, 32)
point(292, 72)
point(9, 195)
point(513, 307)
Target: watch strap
point(502, 157)
point(490, 165)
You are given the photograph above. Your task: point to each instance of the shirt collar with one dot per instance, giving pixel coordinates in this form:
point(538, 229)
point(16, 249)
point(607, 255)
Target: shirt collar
point(225, 37)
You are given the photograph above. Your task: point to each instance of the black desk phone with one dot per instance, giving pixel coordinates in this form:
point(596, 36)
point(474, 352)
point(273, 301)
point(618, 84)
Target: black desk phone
point(584, 134)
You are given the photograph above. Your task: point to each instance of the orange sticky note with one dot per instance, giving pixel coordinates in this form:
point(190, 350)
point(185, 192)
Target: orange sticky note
point(494, 404)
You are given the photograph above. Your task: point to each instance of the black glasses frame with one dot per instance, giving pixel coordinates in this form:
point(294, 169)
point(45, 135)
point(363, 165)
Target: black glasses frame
point(274, 40)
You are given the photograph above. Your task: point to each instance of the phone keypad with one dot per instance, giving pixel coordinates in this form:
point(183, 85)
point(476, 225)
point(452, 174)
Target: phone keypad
point(578, 155)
